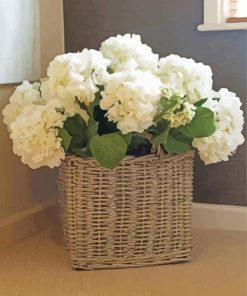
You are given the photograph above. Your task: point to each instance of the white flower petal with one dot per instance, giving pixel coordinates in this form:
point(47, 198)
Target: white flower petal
point(34, 135)
point(185, 75)
point(24, 95)
point(229, 125)
point(69, 75)
point(131, 99)
point(128, 52)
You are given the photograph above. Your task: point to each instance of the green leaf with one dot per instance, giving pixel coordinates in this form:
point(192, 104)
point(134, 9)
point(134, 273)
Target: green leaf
point(202, 125)
point(126, 137)
point(136, 143)
point(201, 102)
point(160, 131)
point(95, 103)
point(108, 149)
point(169, 103)
point(66, 138)
point(178, 135)
point(166, 104)
point(216, 99)
point(100, 87)
point(92, 128)
point(173, 145)
point(83, 152)
point(109, 70)
point(77, 128)
point(162, 137)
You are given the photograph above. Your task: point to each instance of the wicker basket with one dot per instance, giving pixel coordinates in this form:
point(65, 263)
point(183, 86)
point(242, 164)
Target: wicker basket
point(139, 214)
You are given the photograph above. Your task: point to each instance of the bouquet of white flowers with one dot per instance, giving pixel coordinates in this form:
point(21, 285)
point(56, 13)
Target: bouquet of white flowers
point(122, 100)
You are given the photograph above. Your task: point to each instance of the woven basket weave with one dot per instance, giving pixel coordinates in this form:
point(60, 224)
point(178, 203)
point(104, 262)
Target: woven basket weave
point(139, 214)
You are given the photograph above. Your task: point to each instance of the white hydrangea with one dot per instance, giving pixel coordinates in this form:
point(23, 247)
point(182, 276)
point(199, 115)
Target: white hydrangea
point(131, 100)
point(70, 107)
point(229, 124)
point(34, 134)
point(192, 79)
point(180, 115)
point(77, 75)
point(24, 95)
point(128, 52)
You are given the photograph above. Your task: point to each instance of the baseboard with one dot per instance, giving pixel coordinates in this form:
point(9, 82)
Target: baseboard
point(225, 217)
point(42, 216)
point(26, 223)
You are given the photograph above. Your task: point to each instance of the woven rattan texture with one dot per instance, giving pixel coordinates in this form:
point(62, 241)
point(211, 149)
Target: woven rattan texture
point(139, 214)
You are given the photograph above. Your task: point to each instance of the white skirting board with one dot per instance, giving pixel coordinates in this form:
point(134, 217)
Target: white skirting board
point(42, 216)
point(27, 223)
point(224, 217)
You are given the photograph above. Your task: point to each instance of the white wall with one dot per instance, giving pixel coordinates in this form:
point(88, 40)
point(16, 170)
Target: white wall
point(27, 196)
point(20, 40)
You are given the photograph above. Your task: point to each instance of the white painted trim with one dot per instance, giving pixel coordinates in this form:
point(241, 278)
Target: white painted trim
point(213, 11)
point(27, 212)
point(224, 217)
point(26, 223)
point(222, 27)
point(215, 14)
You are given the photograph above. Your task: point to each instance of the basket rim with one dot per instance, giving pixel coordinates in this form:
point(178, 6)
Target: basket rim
point(130, 158)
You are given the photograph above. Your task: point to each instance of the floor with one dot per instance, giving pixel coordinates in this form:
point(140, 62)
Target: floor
point(39, 266)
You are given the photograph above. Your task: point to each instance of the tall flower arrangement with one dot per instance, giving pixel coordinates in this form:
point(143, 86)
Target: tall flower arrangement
point(122, 100)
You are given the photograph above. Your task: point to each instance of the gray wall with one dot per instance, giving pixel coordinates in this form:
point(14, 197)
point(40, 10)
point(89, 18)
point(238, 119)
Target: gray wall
point(170, 27)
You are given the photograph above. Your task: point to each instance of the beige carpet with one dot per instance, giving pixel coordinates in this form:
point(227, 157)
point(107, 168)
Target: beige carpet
point(39, 266)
